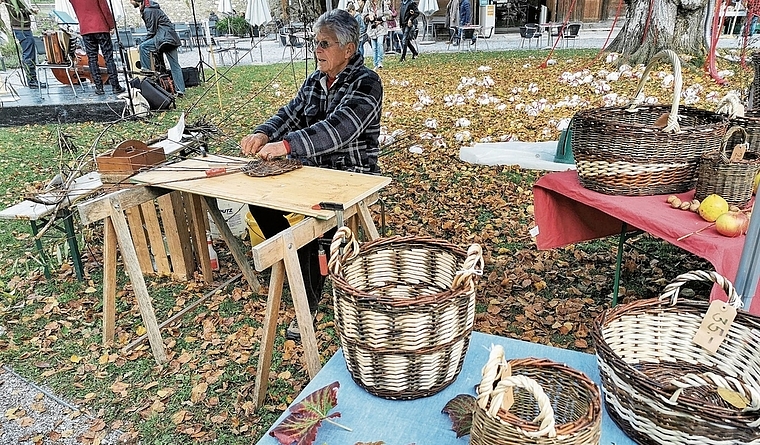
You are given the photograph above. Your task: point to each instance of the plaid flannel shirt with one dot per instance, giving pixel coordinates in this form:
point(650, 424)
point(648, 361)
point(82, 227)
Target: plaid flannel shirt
point(338, 129)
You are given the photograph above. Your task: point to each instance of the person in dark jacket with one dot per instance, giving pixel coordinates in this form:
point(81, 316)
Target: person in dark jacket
point(21, 24)
point(408, 13)
point(161, 38)
point(96, 23)
point(333, 122)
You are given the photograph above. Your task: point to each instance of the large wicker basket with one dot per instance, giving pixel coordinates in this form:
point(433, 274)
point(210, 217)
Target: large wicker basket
point(731, 180)
point(404, 311)
point(661, 388)
point(553, 404)
point(622, 150)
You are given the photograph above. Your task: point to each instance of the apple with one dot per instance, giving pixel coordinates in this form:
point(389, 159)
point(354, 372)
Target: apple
point(755, 183)
point(732, 224)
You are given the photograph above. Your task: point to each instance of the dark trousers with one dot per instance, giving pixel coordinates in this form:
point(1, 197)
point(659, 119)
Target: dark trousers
point(271, 222)
point(406, 41)
point(101, 41)
point(28, 53)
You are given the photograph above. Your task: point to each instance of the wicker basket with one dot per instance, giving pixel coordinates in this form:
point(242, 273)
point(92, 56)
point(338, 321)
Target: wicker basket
point(553, 404)
point(620, 151)
point(730, 180)
point(404, 311)
point(661, 388)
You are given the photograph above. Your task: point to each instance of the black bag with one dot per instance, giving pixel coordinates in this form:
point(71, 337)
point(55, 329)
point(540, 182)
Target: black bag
point(157, 97)
point(191, 76)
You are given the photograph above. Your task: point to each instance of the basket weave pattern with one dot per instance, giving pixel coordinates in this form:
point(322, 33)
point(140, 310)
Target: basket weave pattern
point(553, 404)
point(730, 180)
point(620, 151)
point(661, 388)
point(404, 311)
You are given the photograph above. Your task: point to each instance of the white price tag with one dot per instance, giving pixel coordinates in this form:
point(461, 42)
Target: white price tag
point(533, 231)
point(715, 325)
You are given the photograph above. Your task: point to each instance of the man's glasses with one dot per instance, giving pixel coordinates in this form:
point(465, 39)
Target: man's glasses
point(324, 44)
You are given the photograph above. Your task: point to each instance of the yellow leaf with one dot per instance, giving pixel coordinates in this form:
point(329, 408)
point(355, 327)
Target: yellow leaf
point(103, 359)
point(733, 397)
point(285, 375)
point(198, 393)
point(75, 358)
point(141, 330)
point(90, 290)
point(166, 392)
point(181, 416)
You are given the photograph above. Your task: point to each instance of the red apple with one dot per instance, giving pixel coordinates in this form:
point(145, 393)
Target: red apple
point(732, 224)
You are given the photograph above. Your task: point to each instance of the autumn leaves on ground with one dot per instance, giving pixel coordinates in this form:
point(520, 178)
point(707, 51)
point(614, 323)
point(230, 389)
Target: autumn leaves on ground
point(435, 105)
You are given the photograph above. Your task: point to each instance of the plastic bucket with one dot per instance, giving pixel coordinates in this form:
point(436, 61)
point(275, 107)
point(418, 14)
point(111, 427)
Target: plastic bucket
point(254, 231)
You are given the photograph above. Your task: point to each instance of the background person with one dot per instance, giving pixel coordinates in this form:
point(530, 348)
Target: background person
point(96, 23)
point(408, 13)
point(162, 39)
point(375, 16)
point(20, 15)
point(332, 122)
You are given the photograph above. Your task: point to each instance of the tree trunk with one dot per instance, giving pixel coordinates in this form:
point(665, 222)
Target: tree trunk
point(671, 24)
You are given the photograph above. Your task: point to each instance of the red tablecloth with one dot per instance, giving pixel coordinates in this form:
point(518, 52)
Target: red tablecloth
point(567, 213)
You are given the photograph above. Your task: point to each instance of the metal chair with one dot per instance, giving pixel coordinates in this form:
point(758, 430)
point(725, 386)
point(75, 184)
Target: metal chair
point(571, 33)
point(537, 32)
point(67, 65)
point(468, 36)
point(486, 35)
point(183, 30)
point(526, 33)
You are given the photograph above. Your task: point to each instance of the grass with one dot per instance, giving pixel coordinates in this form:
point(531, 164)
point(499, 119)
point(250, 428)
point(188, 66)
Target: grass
point(204, 393)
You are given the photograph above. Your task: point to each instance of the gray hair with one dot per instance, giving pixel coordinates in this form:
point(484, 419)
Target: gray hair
point(343, 24)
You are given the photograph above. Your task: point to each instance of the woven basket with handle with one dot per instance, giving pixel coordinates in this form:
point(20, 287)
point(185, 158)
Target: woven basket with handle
point(404, 311)
point(662, 388)
point(632, 150)
point(731, 180)
point(553, 404)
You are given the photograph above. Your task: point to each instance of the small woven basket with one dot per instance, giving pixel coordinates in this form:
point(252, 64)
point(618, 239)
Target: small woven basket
point(404, 311)
point(553, 404)
point(730, 180)
point(622, 150)
point(749, 120)
point(662, 388)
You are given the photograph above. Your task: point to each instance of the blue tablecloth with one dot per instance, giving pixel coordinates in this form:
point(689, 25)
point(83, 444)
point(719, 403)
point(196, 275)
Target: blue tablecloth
point(420, 421)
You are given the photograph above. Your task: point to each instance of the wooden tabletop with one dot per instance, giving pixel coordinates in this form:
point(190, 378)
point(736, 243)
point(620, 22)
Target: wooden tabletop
point(295, 191)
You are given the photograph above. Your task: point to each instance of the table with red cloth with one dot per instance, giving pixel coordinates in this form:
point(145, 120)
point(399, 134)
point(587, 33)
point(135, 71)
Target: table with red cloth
point(567, 213)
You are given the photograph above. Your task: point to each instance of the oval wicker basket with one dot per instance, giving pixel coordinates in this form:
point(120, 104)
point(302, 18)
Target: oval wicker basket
point(404, 311)
point(553, 404)
point(661, 388)
point(620, 151)
point(730, 180)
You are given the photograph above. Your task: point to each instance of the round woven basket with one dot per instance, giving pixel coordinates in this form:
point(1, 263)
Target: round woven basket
point(662, 388)
point(632, 151)
point(730, 180)
point(404, 311)
point(553, 404)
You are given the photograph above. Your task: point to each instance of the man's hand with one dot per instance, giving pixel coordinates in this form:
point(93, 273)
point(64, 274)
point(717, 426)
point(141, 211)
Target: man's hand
point(252, 143)
point(273, 150)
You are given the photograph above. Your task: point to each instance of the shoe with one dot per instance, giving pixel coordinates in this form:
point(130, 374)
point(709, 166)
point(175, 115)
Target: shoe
point(379, 67)
point(402, 59)
point(293, 332)
point(99, 91)
point(414, 56)
point(180, 94)
point(118, 89)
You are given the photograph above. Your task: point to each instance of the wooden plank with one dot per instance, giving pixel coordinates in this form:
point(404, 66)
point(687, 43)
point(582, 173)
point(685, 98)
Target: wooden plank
point(78, 189)
point(183, 233)
point(296, 191)
point(129, 257)
point(109, 282)
point(365, 217)
point(233, 243)
point(135, 221)
point(274, 299)
point(301, 303)
point(197, 215)
point(169, 222)
point(99, 208)
point(156, 238)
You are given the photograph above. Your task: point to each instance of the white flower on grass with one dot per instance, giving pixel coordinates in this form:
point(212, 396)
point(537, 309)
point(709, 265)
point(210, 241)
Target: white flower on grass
point(487, 82)
point(431, 123)
point(486, 139)
point(439, 142)
point(484, 68)
point(612, 57)
point(385, 139)
point(726, 73)
point(667, 81)
point(714, 97)
point(526, 66)
point(612, 77)
point(398, 133)
point(462, 122)
point(611, 99)
point(533, 88)
point(425, 135)
point(276, 86)
point(424, 98)
point(417, 149)
point(508, 138)
point(563, 124)
point(501, 107)
point(417, 106)
point(463, 136)
point(451, 100)
point(546, 132)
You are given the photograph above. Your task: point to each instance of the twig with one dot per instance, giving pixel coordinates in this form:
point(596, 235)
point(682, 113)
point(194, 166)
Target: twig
point(695, 232)
point(328, 420)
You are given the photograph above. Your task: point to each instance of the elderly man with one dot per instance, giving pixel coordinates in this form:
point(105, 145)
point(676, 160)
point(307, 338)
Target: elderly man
point(21, 23)
point(333, 122)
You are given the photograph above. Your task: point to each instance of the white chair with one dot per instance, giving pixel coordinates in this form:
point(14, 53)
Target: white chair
point(486, 35)
point(212, 49)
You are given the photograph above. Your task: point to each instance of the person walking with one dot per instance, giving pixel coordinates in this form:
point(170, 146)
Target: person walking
point(161, 39)
point(20, 15)
point(96, 24)
point(375, 16)
point(408, 13)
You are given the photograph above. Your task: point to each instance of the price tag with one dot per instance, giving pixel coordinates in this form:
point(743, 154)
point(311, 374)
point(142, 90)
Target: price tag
point(738, 153)
point(715, 325)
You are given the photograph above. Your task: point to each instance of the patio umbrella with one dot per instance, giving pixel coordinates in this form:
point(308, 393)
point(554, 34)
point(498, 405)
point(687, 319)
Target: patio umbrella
point(257, 12)
point(225, 7)
point(343, 4)
point(428, 8)
point(65, 6)
point(117, 8)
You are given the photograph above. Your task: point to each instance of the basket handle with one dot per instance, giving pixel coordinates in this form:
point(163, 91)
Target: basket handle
point(343, 238)
point(727, 137)
point(545, 417)
point(671, 290)
point(672, 125)
point(473, 266)
point(731, 105)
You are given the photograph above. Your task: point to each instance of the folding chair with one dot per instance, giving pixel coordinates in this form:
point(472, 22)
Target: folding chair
point(59, 43)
